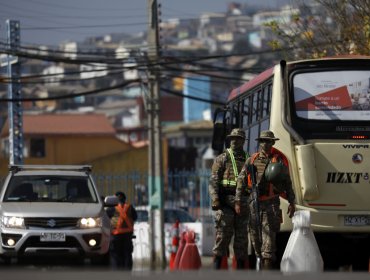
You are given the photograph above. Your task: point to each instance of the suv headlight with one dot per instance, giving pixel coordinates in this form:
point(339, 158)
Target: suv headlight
point(89, 222)
point(12, 222)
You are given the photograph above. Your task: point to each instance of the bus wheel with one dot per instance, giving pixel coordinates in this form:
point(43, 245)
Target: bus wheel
point(361, 261)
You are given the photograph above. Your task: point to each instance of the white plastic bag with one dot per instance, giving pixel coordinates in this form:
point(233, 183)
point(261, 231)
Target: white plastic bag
point(302, 253)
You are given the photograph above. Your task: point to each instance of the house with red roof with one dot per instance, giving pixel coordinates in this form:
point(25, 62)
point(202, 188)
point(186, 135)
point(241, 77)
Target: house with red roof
point(64, 139)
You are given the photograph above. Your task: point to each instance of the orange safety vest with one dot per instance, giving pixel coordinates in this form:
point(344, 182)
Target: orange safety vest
point(276, 154)
point(125, 222)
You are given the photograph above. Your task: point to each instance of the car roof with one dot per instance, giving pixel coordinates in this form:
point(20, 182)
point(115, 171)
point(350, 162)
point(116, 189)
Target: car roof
point(72, 170)
point(50, 172)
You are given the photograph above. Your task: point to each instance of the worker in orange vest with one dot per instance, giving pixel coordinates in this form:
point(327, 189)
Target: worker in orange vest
point(122, 220)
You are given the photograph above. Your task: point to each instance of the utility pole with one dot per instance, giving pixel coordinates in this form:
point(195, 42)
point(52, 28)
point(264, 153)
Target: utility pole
point(15, 110)
point(155, 176)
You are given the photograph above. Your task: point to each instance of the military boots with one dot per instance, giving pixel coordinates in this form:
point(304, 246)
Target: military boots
point(240, 264)
point(217, 260)
point(267, 264)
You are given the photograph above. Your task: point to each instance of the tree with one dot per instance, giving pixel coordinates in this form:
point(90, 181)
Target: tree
point(323, 28)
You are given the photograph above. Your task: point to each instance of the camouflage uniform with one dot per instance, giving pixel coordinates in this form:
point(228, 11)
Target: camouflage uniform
point(222, 190)
point(269, 204)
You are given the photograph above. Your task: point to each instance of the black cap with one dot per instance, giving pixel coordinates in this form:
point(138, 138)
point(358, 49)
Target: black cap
point(121, 195)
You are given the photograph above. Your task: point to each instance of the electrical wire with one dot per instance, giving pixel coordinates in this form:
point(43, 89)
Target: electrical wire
point(191, 97)
point(66, 96)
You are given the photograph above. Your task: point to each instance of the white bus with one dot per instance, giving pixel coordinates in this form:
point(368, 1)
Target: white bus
point(320, 110)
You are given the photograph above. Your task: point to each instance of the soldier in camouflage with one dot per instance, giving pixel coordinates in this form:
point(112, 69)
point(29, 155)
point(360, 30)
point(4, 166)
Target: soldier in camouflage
point(270, 216)
point(225, 170)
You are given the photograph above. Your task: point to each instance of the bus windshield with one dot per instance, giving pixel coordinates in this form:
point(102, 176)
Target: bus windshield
point(332, 95)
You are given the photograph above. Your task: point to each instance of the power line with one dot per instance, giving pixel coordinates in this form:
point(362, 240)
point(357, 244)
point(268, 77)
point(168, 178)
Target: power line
point(194, 78)
point(83, 26)
point(191, 97)
point(101, 52)
point(72, 95)
point(85, 8)
point(205, 73)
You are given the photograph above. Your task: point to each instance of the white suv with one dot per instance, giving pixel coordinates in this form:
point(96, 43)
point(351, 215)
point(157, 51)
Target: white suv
point(53, 210)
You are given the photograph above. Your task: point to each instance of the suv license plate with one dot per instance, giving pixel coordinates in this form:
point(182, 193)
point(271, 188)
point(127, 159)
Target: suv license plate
point(53, 236)
point(356, 220)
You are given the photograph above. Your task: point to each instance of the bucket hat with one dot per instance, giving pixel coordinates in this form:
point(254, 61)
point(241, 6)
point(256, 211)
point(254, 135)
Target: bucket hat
point(237, 132)
point(267, 134)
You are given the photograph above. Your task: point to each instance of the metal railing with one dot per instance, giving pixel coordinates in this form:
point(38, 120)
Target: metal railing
point(187, 189)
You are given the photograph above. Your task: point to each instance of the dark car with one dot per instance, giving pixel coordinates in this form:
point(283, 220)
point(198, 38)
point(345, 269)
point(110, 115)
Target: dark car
point(170, 215)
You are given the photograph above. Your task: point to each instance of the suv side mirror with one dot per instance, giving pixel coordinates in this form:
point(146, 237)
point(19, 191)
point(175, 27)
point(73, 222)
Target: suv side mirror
point(111, 201)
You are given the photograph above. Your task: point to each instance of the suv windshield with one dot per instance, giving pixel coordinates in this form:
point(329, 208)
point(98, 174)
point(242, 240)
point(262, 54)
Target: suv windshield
point(50, 189)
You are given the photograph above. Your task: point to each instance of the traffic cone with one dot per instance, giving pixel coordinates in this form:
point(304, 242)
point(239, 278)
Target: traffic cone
point(224, 263)
point(190, 258)
point(234, 263)
point(175, 244)
point(180, 250)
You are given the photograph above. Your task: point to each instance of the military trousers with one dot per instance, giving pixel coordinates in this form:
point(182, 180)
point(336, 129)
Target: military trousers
point(229, 224)
point(263, 236)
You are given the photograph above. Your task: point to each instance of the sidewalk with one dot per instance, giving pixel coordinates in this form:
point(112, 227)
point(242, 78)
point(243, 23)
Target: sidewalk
point(143, 265)
point(207, 264)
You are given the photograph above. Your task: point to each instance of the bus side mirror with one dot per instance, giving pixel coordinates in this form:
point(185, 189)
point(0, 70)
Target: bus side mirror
point(219, 130)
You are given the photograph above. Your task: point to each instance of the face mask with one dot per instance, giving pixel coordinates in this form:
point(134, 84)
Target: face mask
point(266, 145)
point(236, 143)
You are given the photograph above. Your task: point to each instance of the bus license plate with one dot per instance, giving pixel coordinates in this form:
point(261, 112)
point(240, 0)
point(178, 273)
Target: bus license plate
point(356, 220)
point(53, 236)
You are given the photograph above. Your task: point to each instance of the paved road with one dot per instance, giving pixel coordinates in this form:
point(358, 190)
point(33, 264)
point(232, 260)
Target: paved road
point(91, 274)
point(71, 272)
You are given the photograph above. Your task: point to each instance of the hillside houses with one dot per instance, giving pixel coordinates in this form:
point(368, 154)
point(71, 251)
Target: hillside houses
point(112, 60)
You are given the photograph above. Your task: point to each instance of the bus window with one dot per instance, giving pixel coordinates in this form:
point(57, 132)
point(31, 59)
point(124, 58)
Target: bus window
point(246, 114)
point(228, 122)
point(255, 107)
point(219, 134)
point(266, 100)
point(265, 124)
point(332, 95)
point(253, 134)
point(235, 116)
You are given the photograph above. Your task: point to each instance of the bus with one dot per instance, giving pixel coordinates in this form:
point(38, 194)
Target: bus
point(320, 110)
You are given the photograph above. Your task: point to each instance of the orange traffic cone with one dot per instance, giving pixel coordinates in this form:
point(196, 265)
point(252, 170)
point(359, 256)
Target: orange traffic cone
point(175, 244)
point(180, 250)
point(190, 258)
point(224, 263)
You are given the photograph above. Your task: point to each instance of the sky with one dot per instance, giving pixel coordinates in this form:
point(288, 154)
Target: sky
point(50, 22)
